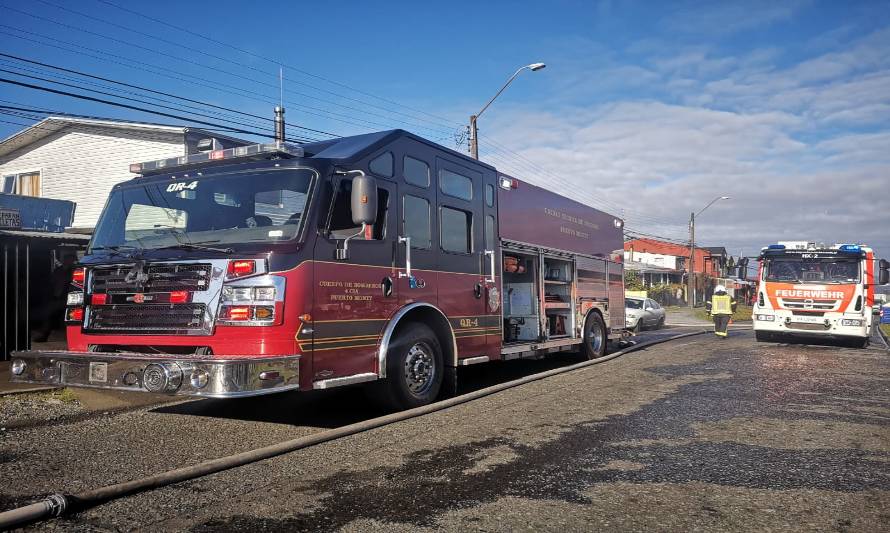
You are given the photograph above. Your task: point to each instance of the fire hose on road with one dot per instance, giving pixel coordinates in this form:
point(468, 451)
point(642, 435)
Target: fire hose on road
point(63, 504)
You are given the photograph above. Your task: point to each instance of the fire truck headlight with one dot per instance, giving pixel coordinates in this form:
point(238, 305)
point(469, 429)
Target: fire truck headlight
point(75, 298)
point(765, 318)
point(237, 294)
point(264, 293)
point(851, 322)
point(18, 367)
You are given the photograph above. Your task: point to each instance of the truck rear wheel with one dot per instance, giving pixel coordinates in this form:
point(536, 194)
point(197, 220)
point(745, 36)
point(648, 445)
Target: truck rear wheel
point(594, 344)
point(414, 368)
point(859, 343)
point(762, 336)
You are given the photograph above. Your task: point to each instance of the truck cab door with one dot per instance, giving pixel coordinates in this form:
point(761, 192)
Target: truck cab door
point(462, 287)
point(354, 297)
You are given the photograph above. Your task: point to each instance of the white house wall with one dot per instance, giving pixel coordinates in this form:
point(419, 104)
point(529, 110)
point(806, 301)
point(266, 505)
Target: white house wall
point(659, 260)
point(81, 163)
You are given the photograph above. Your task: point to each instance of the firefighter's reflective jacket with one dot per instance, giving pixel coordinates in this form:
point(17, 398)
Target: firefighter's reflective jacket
point(721, 304)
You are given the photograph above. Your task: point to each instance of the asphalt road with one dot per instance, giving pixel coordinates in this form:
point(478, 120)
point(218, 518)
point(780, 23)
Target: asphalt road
point(693, 434)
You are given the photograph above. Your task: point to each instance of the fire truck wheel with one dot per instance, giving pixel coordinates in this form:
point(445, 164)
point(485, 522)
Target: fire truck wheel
point(414, 368)
point(859, 343)
point(594, 345)
point(762, 336)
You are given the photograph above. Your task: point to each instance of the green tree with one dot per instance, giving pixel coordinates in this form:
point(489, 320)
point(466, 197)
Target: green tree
point(633, 281)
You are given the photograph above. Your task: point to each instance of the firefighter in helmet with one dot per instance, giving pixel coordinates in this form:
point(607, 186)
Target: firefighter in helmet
point(721, 307)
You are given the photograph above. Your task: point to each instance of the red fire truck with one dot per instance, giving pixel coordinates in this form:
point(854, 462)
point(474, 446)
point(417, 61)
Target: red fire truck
point(379, 257)
point(808, 289)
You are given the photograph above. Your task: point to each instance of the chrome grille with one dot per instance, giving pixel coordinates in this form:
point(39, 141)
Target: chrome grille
point(805, 303)
point(146, 318)
point(807, 326)
point(162, 277)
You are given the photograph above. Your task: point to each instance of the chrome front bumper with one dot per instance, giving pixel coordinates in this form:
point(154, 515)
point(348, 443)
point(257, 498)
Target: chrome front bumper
point(213, 376)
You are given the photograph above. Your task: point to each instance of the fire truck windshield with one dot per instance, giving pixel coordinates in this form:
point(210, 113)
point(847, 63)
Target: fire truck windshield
point(821, 270)
point(224, 211)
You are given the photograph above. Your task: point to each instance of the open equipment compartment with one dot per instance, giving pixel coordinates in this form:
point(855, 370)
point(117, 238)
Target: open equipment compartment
point(522, 310)
point(559, 296)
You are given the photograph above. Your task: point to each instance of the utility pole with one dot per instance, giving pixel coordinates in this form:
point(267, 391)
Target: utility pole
point(474, 138)
point(690, 290)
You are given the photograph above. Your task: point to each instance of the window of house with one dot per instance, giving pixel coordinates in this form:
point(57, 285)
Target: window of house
point(417, 172)
point(489, 195)
point(416, 221)
point(382, 165)
point(25, 184)
point(455, 230)
point(457, 185)
point(341, 225)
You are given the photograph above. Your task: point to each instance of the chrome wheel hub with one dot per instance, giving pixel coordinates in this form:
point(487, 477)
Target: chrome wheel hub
point(420, 369)
point(595, 337)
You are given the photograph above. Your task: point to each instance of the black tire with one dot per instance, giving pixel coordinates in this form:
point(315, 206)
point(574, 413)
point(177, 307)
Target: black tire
point(595, 337)
point(660, 323)
point(638, 327)
point(414, 368)
point(764, 336)
point(860, 343)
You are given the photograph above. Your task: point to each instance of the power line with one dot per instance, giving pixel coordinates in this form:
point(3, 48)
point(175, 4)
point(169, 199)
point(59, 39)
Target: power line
point(247, 66)
point(153, 91)
point(208, 67)
point(172, 108)
point(187, 78)
point(274, 61)
point(136, 108)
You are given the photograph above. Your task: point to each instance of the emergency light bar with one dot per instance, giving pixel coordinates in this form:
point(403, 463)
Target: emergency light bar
point(254, 150)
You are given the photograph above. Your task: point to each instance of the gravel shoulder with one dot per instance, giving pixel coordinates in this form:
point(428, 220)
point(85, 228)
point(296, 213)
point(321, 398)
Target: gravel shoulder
point(692, 434)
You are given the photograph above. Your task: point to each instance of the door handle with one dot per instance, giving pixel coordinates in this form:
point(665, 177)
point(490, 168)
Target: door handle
point(387, 286)
point(407, 242)
point(477, 290)
point(490, 254)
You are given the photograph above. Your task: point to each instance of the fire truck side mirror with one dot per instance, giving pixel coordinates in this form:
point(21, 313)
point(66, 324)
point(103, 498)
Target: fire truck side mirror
point(364, 200)
point(884, 276)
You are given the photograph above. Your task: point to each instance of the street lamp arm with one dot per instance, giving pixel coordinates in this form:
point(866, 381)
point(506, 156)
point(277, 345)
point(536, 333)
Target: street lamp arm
point(493, 98)
point(712, 203)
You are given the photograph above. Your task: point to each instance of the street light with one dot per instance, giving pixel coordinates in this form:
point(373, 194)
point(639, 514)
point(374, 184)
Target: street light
point(474, 141)
point(691, 278)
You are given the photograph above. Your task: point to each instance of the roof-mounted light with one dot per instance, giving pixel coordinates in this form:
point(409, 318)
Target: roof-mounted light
point(776, 247)
point(259, 151)
point(851, 248)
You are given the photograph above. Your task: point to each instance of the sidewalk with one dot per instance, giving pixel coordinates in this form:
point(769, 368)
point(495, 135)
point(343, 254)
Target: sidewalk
point(683, 316)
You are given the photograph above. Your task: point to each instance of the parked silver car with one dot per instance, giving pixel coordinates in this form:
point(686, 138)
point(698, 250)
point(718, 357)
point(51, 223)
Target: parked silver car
point(643, 313)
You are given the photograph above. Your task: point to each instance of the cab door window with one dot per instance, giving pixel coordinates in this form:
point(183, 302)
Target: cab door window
point(456, 228)
point(340, 225)
point(416, 221)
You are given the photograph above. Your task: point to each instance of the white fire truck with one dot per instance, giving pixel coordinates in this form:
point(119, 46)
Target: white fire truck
point(812, 290)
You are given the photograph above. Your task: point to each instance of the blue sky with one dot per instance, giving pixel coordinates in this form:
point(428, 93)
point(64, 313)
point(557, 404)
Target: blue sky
point(646, 109)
